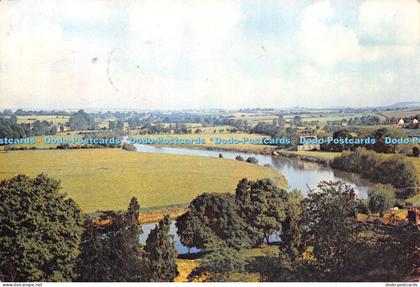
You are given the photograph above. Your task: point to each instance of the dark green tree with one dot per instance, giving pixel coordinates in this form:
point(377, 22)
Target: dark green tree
point(161, 253)
point(341, 134)
point(380, 145)
point(262, 205)
point(188, 229)
point(397, 172)
point(111, 244)
point(40, 230)
point(328, 221)
point(215, 221)
point(92, 262)
point(292, 245)
point(81, 121)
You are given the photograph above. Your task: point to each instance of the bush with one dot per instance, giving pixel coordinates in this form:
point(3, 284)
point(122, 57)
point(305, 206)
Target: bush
point(252, 159)
point(394, 171)
point(128, 147)
point(40, 230)
point(381, 198)
point(240, 158)
point(397, 172)
point(362, 207)
point(416, 151)
point(220, 264)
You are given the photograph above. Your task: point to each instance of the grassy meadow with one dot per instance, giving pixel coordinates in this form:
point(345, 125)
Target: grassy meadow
point(106, 179)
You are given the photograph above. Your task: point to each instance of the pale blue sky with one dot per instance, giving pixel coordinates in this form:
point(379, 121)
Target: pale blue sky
point(208, 54)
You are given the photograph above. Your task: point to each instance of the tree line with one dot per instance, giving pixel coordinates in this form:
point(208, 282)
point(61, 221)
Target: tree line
point(393, 170)
point(46, 237)
point(321, 240)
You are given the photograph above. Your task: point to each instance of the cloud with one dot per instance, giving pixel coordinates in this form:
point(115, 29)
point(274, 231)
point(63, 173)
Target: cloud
point(389, 22)
point(191, 54)
point(324, 39)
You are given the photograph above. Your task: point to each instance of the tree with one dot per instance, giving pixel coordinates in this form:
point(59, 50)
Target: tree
point(380, 145)
point(263, 207)
point(161, 253)
point(81, 121)
point(40, 230)
point(219, 265)
point(381, 198)
point(92, 263)
point(281, 122)
point(397, 172)
point(416, 151)
point(341, 134)
point(292, 231)
point(110, 248)
point(297, 120)
point(187, 227)
point(329, 220)
point(215, 222)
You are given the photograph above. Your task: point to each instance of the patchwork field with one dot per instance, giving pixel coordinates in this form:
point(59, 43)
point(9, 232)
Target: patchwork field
point(103, 179)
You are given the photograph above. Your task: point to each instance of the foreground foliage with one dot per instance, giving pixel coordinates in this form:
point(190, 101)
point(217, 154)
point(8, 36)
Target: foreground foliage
point(40, 230)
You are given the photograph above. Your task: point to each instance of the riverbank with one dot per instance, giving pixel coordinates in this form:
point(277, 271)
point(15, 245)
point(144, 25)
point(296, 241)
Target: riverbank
point(324, 161)
point(154, 216)
point(236, 142)
point(267, 150)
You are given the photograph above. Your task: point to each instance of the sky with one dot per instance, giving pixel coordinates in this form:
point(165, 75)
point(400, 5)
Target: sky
point(192, 54)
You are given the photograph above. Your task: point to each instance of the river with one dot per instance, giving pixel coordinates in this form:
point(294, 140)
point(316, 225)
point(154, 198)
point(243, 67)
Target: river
point(299, 174)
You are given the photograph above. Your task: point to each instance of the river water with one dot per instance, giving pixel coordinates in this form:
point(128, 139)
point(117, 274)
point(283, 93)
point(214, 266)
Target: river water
point(299, 174)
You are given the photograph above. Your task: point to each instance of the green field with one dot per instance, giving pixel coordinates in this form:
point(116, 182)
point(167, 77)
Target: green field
point(105, 179)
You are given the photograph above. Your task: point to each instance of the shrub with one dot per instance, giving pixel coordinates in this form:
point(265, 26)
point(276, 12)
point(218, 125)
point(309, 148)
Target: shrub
point(128, 147)
point(397, 172)
point(381, 198)
point(252, 159)
point(240, 158)
point(220, 264)
point(394, 171)
point(416, 151)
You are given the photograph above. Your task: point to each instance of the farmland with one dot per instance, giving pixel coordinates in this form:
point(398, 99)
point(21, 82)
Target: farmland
point(104, 179)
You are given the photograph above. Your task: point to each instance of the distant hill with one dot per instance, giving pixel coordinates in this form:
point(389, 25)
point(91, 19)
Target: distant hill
point(402, 105)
